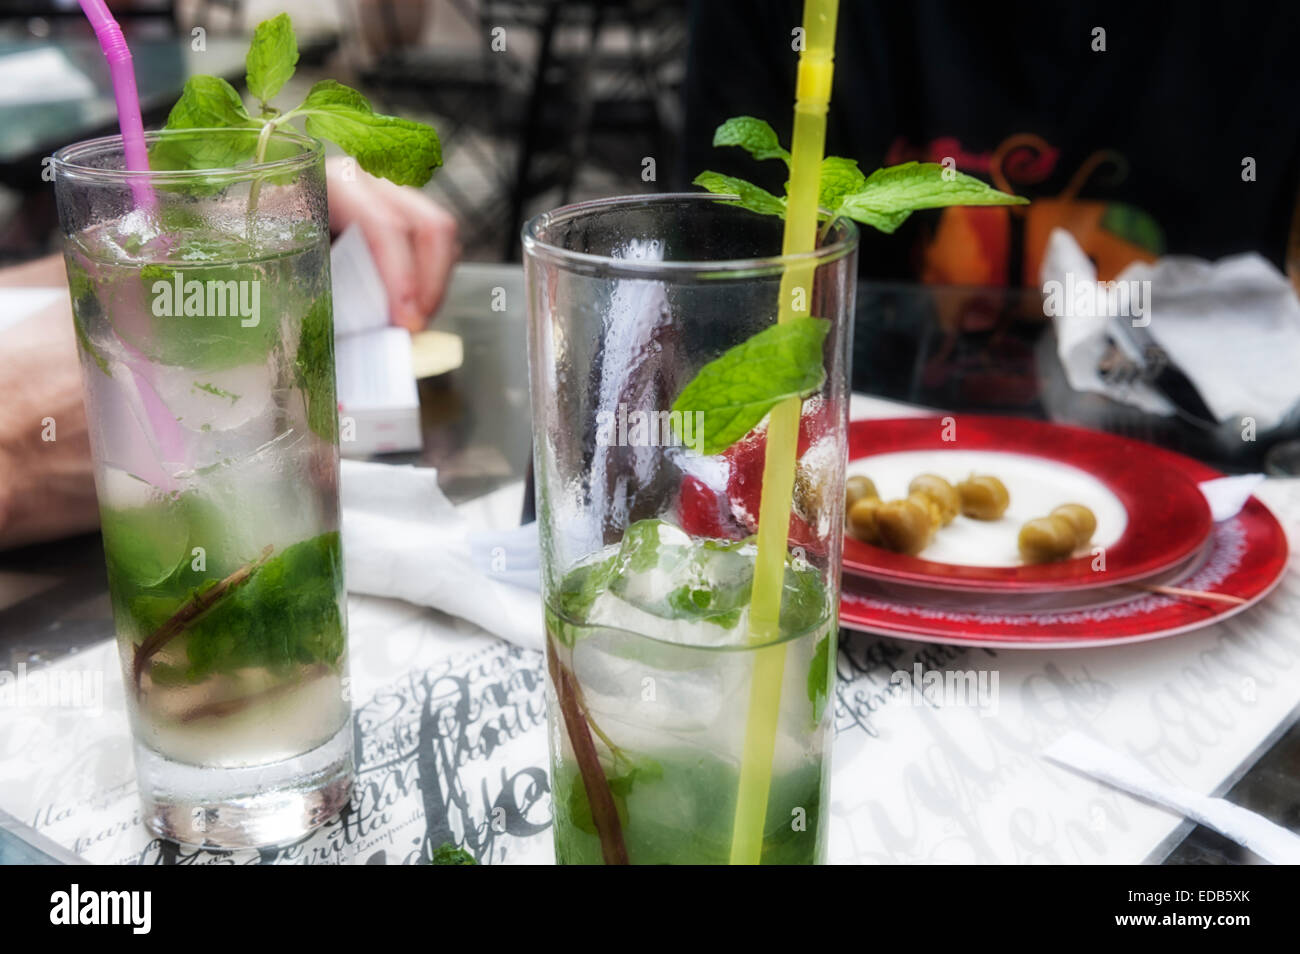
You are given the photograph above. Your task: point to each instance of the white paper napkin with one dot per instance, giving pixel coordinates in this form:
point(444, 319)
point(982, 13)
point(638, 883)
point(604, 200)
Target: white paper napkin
point(510, 556)
point(1081, 339)
point(402, 538)
point(1090, 757)
point(1231, 326)
point(1227, 495)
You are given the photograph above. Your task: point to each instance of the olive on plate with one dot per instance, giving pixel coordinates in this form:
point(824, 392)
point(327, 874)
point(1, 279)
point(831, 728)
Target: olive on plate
point(941, 492)
point(1045, 539)
point(1081, 518)
point(932, 509)
point(983, 497)
point(858, 488)
point(861, 520)
point(904, 526)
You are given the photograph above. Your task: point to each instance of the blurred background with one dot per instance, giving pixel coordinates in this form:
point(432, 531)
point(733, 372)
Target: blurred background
point(537, 103)
point(1138, 134)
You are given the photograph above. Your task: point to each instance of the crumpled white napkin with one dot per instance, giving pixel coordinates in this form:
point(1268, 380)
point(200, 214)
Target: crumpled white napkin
point(1231, 326)
point(510, 556)
point(403, 538)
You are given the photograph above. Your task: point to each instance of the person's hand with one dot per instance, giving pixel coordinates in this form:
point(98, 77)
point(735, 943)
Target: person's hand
point(411, 237)
point(47, 486)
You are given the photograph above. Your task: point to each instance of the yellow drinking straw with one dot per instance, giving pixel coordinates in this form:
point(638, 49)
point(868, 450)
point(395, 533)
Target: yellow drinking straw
point(812, 97)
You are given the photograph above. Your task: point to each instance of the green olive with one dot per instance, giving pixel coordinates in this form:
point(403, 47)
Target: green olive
point(861, 520)
point(1045, 539)
point(941, 492)
point(1081, 518)
point(932, 510)
point(858, 488)
point(904, 526)
point(983, 497)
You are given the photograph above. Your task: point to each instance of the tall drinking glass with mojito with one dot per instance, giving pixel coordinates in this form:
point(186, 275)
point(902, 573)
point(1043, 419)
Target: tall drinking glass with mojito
point(206, 343)
point(687, 357)
point(198, 265)
point(649, 509)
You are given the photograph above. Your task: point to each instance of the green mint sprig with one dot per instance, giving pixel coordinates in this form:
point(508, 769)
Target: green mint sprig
point(401, 150)
point(232, 615)
point(882, 200)
point(737, 390)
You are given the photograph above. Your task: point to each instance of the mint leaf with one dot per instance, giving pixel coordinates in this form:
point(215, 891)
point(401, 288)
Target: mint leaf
point(213, 342)
point(639, 550)
point(819, 675)
point(286, 614)
point(804, 605)
point(891, 194)
point(403, 151)
point(887, 222)
point(839, 177)
point(448, 854)
point(313, 367)
point(640, 769)
point(207, 102)
point(141, 545)
point(579, 590)
point(643, 771)
point(755, 136)
point(736, 391)
point(84, 342)
point(271, 59)
point(217, 392)
point(749, 195)
point(81, 289)
point(701, 603)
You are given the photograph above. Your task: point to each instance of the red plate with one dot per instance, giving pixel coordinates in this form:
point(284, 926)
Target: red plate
point(1168, 519)
point(1246, 558)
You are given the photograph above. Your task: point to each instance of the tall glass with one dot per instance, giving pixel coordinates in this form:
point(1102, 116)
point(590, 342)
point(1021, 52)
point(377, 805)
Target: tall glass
point(201, 299)
point(647, 545)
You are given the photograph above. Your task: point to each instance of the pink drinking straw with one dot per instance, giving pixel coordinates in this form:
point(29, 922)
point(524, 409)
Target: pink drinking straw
point(122, 72)
point(136, 159)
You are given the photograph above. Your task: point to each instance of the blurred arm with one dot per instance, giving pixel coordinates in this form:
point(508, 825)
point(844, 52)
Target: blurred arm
point(47, 487)
point(47, 272)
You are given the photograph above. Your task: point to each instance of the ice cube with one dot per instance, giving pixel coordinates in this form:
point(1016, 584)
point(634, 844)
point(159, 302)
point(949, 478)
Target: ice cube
point(134, 235)
point(219, 399)
point(664, 572)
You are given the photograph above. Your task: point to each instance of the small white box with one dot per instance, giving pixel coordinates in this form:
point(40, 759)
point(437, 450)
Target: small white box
point(378, 399)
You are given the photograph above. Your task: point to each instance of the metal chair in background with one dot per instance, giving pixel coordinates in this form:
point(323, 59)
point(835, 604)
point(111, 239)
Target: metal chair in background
point(604, 99)
point(538, 92)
